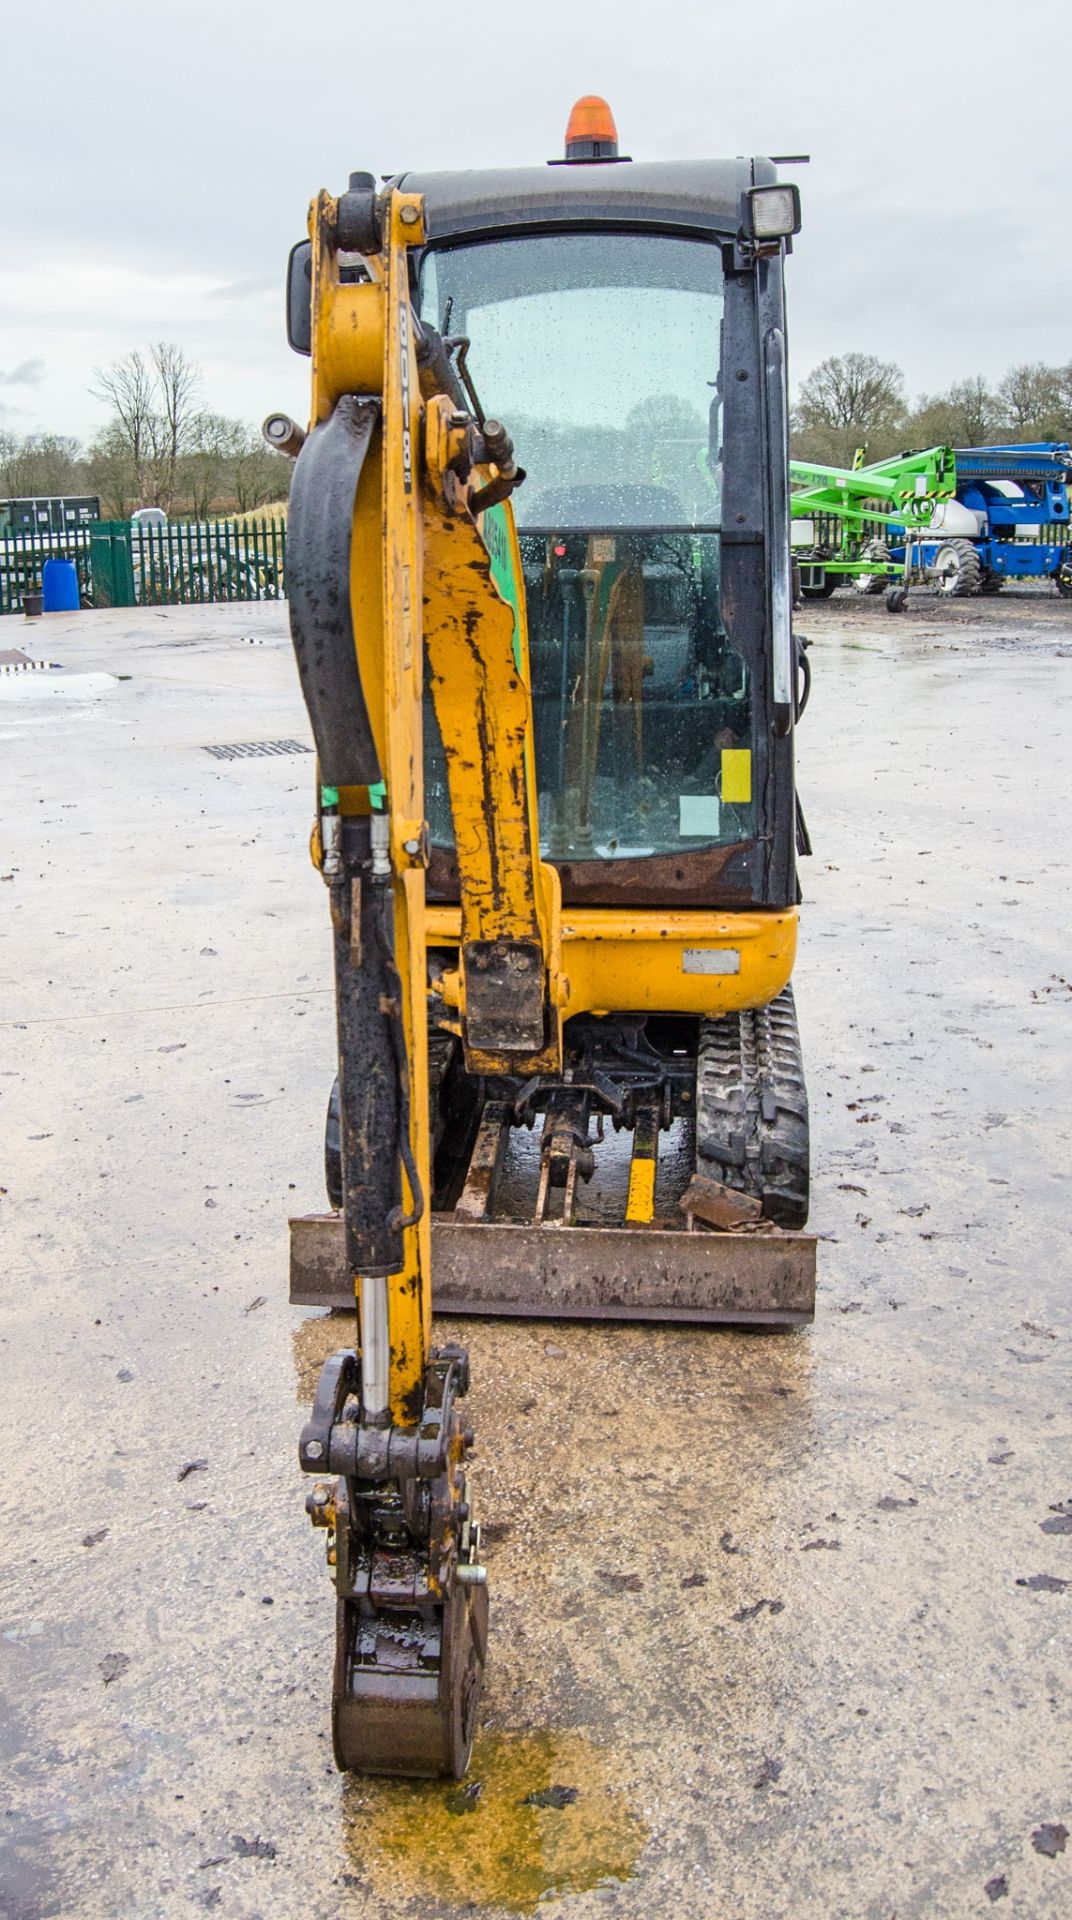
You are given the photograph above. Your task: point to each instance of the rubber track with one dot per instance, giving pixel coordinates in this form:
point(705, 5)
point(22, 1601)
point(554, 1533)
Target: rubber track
point(752, 1108)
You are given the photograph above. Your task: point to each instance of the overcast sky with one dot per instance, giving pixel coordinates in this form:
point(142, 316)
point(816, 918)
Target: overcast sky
point(157, 164)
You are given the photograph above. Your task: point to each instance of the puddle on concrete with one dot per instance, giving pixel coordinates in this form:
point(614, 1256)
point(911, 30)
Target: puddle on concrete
point(539, 1815)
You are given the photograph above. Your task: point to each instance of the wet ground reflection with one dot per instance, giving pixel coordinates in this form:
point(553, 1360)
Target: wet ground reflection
point(538, 1815)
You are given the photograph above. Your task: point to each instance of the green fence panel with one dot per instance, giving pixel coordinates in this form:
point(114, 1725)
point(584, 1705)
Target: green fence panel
point(112, 564)
point(191, 562)
point(124, 564)
point(22, 556)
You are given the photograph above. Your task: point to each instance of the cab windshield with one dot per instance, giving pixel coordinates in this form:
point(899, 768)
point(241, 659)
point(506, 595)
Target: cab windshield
point(602, 354)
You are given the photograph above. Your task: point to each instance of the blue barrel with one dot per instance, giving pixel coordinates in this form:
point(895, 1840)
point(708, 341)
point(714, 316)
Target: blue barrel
point(59, 586)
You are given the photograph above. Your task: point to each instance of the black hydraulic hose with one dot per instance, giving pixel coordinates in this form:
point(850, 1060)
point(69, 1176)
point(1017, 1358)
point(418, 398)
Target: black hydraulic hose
point(396, 1219)
point(804, 667)
point(436, 370)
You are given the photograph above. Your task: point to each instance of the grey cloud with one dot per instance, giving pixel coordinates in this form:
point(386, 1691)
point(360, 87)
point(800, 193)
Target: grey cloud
point(254, 288)
point(154, 159)
point(28, 373)
point(887, 281)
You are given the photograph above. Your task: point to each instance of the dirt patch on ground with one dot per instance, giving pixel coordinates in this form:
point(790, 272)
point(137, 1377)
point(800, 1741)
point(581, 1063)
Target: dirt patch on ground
point(1033, 619)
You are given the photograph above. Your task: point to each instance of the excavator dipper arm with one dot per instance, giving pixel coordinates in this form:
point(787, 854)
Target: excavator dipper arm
point(387, 565)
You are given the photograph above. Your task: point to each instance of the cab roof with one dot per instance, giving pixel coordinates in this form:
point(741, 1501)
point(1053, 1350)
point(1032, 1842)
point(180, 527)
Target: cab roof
point(700, 197)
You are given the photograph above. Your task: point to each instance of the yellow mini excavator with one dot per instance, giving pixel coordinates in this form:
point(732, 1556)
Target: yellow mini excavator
point(539, 581)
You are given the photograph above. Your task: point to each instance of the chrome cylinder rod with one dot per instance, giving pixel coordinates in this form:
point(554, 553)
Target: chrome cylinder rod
point(375, 1352)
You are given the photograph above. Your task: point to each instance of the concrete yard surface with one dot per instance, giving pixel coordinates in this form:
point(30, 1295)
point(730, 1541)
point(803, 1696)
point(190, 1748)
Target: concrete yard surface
point(780, 1623)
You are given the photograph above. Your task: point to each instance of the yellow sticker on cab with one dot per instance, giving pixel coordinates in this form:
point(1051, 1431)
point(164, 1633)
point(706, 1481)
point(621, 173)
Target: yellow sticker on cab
point(737, 775)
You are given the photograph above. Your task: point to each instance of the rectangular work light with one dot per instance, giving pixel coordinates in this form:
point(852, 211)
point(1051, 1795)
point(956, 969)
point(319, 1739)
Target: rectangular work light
point(775, 211)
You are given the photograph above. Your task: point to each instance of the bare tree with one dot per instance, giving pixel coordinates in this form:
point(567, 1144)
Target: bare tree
point(1032, 402)
point(154, 411)
point(177, 385)
point(126, 388)
point(967, 414)
point(257, 474)
point(203, 469)
point(113, 475)
point(662, 415)
point(40, 464)
point(852, 392)
point(849, 401)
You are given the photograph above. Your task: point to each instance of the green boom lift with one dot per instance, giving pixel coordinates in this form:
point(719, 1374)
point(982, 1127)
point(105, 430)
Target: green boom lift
point(837, 511)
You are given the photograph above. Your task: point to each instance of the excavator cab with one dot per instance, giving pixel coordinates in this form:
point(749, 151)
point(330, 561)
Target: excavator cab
point(539, 581)
point(627, 342)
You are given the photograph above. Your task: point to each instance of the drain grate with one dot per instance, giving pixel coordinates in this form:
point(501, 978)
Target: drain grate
point(255, 749)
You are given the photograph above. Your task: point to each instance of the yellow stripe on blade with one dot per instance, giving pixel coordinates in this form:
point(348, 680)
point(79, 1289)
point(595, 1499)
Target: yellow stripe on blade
point(640, 1205)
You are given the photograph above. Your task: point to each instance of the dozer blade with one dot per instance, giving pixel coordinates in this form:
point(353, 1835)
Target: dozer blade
point(557, 1272)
